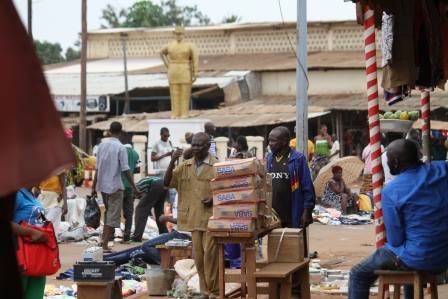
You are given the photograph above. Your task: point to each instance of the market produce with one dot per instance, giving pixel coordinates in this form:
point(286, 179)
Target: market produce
point(401, 115)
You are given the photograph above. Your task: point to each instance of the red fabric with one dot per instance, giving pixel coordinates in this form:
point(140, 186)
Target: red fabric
point(38, 259)
point(33, 144)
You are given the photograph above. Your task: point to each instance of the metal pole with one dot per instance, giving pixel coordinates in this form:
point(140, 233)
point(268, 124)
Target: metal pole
point(426, 127)
point(127, 102)
point(302, 91)
point(374, 122)
point(82, 114)
point(301, 80)
point(30, 18)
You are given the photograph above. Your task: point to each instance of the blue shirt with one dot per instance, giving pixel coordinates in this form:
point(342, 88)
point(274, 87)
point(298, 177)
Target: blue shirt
point(27, 207)
point(111, 161)
point(415, 208)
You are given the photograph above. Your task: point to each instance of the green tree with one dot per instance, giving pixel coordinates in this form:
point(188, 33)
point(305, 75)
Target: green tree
point(231, 19)
point(48, 53)
point(72, 54)
point(145, 13)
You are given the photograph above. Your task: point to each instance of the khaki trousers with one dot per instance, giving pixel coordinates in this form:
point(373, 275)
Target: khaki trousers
point(206, 259)
point(180, 100)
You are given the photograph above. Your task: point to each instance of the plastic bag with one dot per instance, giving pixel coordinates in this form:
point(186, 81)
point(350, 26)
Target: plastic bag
point(92, 213)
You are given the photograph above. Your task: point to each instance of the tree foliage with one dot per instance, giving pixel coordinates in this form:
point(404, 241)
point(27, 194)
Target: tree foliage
point(48, 53)
point(231, 19)
point(145, 13)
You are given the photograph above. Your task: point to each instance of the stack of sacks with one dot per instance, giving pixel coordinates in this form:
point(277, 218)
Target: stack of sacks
point(240, 196)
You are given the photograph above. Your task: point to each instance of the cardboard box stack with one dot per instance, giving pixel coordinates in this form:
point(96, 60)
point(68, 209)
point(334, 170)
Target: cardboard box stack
point(241, 191)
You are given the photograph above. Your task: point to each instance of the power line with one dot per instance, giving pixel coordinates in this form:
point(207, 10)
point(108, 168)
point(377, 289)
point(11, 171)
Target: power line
point(291, 45)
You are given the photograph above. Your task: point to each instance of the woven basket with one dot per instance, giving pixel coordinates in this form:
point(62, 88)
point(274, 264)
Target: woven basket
point(351, 166)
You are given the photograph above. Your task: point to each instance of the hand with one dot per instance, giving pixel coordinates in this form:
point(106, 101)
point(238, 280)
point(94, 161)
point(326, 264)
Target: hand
point(168, 154)
point(208, 202)
point(38, 237)
point(177, 154)
point(307, 218)
point(164, 219)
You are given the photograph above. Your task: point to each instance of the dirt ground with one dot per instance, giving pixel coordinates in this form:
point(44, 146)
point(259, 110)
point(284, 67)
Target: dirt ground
point(347, 243)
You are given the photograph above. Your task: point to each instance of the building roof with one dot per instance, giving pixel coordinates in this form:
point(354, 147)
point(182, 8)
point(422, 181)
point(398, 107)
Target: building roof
point(226, 27)
point(263, 111)
point(113, 83)
point(435, 125)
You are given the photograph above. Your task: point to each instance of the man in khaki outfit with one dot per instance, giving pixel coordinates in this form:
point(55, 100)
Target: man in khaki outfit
point(192, 181)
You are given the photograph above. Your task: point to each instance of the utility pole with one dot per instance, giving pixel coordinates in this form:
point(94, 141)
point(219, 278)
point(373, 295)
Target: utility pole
point(30, 18)
point(302, 92)
point(82, 114)
point(127, 102)
point(301, 80)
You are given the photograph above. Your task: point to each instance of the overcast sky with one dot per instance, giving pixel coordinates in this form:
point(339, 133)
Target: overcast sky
point(60, 20)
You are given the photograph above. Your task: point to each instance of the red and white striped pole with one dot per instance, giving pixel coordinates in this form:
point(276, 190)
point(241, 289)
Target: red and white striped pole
point(374, 122)
point(426, 123)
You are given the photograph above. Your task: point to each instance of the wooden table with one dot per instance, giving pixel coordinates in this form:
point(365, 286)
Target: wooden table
point(248, 260)
point(170, 254)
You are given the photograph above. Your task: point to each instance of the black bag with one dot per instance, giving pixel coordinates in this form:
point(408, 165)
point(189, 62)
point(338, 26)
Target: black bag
point(92, 213)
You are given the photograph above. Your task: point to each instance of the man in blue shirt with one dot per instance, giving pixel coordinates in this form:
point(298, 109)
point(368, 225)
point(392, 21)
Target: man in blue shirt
point(415, 209)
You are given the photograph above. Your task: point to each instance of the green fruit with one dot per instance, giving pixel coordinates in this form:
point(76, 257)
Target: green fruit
point(397, 114)
point(381, 116)
point(388, 115)
point(414, 115)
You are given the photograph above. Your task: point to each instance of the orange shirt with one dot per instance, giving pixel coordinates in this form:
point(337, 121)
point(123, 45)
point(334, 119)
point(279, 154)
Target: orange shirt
point(52, 184)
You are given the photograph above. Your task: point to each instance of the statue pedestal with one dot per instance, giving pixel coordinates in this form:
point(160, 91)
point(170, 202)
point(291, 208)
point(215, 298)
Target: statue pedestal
point(177, 128)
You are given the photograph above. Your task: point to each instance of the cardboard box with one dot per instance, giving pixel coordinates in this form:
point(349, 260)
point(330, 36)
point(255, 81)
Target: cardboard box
point(290, 248)
point(94, 271)
point(244, 182)
point(234, 196)
point(234, 225)
point(268, 182)
point(234, 168)
point(237, 211)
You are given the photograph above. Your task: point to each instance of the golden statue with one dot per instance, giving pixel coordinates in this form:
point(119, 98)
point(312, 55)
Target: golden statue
point(181, 60)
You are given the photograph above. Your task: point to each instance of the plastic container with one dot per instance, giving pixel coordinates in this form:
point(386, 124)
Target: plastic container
point(159, 281)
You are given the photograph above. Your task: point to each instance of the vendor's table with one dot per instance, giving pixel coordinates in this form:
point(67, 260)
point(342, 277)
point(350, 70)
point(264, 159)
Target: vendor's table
point(248, 259)
point(170, 254)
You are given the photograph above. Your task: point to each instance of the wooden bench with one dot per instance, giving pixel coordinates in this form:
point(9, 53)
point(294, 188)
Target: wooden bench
point(282, 273)
point(399, 278)
point(170, 254)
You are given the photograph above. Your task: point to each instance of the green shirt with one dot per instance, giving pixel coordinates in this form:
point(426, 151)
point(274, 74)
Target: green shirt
point(145, 184)
point(132, 161)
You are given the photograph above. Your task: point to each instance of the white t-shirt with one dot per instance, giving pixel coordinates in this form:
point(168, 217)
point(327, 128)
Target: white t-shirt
point(161, 147)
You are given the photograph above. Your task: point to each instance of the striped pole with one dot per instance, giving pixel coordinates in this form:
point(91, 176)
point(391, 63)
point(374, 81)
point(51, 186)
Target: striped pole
point(374, 123)
point(426, 120)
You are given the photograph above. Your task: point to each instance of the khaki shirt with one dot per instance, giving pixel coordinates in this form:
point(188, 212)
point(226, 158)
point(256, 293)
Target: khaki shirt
point(182, 62)
point(192, 189)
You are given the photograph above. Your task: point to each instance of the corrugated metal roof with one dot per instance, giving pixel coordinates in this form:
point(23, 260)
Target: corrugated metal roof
point(113, 83)
point(249, 114)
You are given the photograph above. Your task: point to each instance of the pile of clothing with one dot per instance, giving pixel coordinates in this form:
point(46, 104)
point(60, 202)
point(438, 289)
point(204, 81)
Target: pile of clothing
point(61, 292)
point(329, 216)
point(414, 45)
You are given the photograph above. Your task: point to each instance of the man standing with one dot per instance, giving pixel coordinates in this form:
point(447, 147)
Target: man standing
point(415, 209)
point(112, 161)
point(192, 181)
point(210, 129)
point(293, 196)
point(162, 151)
point(128, 197)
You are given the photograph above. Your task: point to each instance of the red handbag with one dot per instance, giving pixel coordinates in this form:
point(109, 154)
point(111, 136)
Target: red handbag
point(38, 259)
